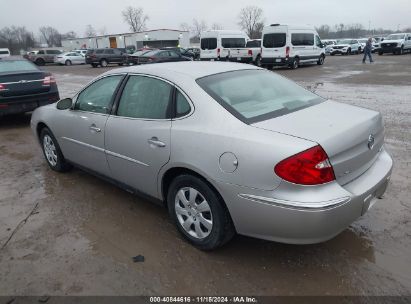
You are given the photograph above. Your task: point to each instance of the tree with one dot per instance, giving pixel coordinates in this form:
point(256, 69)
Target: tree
point(68, 35)
point(135, 18)
point(185, 27)
point(216, 26)
point(198, 27)
point(324, 31)
point(50, 35)
point(90, 31)
point(251, 21)
point(16, 38)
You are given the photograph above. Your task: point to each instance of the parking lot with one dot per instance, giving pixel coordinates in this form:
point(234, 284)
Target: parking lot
point(75, 234)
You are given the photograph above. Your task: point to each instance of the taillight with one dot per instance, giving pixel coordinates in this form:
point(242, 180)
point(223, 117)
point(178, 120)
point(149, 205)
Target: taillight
point(48, 80)
point(287, 51)
point(2, 87)
point(310, 167)
point(250, 52)
point(218, 52)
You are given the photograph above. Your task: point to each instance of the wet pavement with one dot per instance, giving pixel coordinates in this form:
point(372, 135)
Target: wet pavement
point(74, 234)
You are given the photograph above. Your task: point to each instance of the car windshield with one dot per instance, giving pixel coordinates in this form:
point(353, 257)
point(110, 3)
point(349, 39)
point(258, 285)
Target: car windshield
point(151, 53)
point(16, 66)
point(346, 41)
point(257, 95)
point(395, 37)
point(363, 40)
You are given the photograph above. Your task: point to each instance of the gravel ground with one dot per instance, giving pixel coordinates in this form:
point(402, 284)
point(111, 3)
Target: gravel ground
point(74, 234)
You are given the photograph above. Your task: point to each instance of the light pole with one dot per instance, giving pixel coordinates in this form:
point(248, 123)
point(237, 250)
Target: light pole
point(145, 39)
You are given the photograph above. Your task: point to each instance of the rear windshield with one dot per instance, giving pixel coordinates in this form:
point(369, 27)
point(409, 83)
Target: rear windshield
point(274, 40)
point(16, 66)
point(257, 95)
point(233, 42)
point(253, 44)
point(208, 43)
point(302, 39)
point(4, 52)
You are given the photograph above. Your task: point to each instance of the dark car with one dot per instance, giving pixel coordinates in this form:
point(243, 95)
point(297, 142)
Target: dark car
point(158, 56)
point(196, 52)
point(104, 57)
point(181, 51)
point(24, 87)
point(133, 59)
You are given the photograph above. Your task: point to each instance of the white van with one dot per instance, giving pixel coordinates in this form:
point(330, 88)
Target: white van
point(216, 45)
point(288, 45)
point(4, 53)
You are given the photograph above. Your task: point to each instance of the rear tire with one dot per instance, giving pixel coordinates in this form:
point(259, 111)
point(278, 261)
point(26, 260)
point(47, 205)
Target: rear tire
point(68, 62)
point(294, 65)
point(103, 63)
point(52, 151)
point(380, 53)
point(199, 213)
point(258, 61)
point(94, 65)
point(40, 62)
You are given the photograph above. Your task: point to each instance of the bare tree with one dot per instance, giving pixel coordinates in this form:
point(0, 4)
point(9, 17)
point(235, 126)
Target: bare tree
point(16, 38)
point(102, 31)
point(216, 26)
point(135, 18)
point(90, 31)
point(50, 35)
point(324, 31)
point(250, 18)
point(198, 27)
point(69, 35)
point(185, 27)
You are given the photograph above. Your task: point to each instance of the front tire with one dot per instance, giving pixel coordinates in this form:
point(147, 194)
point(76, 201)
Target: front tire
point(199, 212)
point(103, 63)
point(40, 62)
point(52, 151)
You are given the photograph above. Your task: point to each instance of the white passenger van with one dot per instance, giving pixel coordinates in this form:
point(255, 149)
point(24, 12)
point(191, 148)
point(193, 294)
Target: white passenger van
point(4, 53)
point(288, 45)
point(216, 45)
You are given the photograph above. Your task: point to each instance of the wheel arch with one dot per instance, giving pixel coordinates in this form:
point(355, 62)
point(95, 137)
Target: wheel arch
point(40, 126)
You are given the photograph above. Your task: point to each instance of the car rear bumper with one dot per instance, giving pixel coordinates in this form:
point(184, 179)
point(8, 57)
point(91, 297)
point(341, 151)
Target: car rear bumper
point(22, 104)
point(306, 214)
point(279, 61)
point(241, 59)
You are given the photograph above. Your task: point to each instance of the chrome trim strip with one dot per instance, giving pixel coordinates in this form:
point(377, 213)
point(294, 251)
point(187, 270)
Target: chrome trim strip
point(23, 81)
point(126, 158)
point(84, 144)
point(305, 206)
point(106, 151)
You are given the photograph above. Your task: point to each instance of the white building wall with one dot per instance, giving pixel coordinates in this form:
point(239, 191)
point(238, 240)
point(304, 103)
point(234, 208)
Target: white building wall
point(155, 37)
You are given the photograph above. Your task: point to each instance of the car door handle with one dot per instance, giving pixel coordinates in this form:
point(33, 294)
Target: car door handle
point(154, 141)
point(94, 128)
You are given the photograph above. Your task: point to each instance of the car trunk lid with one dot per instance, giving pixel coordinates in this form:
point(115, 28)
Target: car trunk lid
point(19, 84)
point(351, 136)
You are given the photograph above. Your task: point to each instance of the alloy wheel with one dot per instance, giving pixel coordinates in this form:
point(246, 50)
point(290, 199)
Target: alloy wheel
point(50, 150)
point(193, 212)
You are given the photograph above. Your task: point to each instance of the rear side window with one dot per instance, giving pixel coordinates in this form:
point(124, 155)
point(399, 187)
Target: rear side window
point(109, 51)
point(253, 44)
point(274, 40)
point(99, 51)
point(53, 52)
point(145, 97)
point(233, 42)
point(302, 39)
point(182, 105)
point(97, 97)
point(208, 43)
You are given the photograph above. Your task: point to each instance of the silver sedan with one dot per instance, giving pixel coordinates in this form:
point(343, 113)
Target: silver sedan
point(227, 148)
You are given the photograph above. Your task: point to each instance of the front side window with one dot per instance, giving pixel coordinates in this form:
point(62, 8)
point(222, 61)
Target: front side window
point(208, 43)
point(145, 97)
point(318, 42)
point(233, 42)
point(274, 40)
point(109, 51)
point(98, 96)
point(257, 95)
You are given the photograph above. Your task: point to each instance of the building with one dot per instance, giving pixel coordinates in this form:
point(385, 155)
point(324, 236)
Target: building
point(152, 38)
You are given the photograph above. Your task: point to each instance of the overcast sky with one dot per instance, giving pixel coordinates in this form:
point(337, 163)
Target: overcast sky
point(76, 14)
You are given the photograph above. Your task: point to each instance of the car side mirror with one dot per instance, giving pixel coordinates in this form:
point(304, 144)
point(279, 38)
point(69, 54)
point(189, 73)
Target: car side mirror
point(64, 104)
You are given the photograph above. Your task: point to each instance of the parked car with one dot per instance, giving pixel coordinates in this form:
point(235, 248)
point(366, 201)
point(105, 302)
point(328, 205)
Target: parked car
point(70, 58)
point(159, 56)
point(195, 51)
point(225, 147)
point(104, 57)
point(24, 87)
point(41, 57)
point(396, 44)
point(181, 51)
point(251, 53)
point(4, 53)
point(346, 47)
point(216, 45)
point(363, 42)
point(328, 43)
point(288, 45)
point(81, 51)
point(132, 59)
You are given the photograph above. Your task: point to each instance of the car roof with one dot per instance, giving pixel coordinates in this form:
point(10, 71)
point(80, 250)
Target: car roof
point(191, 69)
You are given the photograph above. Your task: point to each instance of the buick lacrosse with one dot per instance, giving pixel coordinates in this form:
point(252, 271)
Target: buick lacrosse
point(227, 148)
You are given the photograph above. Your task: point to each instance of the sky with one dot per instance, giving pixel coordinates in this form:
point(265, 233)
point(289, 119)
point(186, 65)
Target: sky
point(106, 14)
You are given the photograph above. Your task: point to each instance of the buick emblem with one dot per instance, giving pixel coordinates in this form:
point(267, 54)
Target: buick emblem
point(371, 141)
